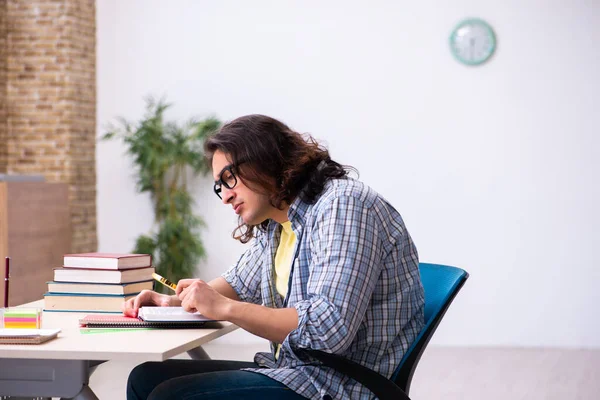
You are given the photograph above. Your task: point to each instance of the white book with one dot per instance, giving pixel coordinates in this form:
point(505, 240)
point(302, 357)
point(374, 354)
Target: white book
point(169, 314)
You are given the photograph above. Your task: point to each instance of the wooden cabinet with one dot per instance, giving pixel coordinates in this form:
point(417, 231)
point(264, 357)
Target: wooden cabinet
point(35, 231)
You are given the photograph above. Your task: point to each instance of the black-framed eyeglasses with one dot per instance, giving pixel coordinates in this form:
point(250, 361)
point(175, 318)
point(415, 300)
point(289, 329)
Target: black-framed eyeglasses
point(227, 179)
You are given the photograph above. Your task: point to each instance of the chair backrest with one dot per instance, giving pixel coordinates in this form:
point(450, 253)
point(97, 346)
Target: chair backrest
point(441, 283)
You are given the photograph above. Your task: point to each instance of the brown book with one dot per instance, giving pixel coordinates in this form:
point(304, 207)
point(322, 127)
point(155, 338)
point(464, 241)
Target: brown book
point(85, 302)
point(102, 275)
point(107, 260)
point(99, 288)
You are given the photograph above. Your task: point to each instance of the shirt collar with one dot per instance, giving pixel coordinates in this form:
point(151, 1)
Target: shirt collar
point(299, 208)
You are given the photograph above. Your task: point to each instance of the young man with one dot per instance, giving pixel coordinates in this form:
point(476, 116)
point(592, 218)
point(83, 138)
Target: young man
point(331, 268)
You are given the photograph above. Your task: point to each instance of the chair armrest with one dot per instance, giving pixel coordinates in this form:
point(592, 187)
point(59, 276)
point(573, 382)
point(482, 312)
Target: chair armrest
point(381, 386)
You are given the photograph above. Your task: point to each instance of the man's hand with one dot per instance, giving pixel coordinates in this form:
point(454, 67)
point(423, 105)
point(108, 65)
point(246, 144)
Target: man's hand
point(146, 298)
point(218, 300)
point(197, 295)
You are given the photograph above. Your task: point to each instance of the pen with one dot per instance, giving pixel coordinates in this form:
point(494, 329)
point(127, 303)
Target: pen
point(164, 281)
point(6, 276)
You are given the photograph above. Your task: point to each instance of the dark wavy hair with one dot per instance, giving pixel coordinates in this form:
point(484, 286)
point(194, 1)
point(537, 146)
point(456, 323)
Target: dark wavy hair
point(282, 163)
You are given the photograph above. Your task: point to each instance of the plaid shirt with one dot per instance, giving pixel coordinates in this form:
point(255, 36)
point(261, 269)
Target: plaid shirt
point(355, 283)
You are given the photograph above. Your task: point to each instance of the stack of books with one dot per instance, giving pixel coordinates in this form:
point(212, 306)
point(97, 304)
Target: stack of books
point(98, 282)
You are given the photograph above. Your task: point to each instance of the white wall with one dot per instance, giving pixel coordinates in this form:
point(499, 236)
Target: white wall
point(494, 168)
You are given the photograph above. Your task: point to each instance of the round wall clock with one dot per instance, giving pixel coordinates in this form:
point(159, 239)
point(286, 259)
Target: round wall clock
point(473, 41)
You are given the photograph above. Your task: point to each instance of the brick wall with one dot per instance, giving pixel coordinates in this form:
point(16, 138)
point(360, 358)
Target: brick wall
point(3, 99)
point(48, 99)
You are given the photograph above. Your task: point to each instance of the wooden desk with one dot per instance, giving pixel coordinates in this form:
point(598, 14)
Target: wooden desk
point(61, 367)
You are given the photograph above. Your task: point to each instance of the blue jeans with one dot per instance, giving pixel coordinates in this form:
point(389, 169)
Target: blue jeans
point(203, 379)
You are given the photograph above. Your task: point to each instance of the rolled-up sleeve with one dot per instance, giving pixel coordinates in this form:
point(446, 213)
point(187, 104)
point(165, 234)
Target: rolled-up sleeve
point(245, 275)
point(346, 263)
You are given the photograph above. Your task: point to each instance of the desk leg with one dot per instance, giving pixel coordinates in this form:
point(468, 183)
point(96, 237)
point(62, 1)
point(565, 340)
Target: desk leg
point(198, 354)
point(93, 365)
point(45, 378)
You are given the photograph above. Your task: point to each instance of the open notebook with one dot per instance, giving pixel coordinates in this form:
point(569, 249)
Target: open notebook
point(148, 317)
point(27, 336)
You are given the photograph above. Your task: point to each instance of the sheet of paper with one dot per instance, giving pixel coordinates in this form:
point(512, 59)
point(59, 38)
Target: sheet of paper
point(169, 314)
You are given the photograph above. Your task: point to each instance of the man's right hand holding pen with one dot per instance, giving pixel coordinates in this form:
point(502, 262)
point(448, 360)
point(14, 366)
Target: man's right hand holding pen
point(152, 298)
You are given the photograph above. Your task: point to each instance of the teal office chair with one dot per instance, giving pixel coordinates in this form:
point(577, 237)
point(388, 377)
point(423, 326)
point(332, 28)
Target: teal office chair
point(441, 284)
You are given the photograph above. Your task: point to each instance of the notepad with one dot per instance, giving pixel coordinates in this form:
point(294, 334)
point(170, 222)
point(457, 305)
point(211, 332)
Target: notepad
point(148, 317)
point(27, 336)
point(168, 314)
point(21, 318)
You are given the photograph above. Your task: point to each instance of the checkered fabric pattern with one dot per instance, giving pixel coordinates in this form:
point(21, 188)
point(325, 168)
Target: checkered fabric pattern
point(354, 282)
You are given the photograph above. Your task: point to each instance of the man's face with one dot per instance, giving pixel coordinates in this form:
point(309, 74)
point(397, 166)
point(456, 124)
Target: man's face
point(252, 206)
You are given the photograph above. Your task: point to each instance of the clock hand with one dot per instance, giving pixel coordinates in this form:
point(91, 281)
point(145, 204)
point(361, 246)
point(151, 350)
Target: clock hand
point(472, 46)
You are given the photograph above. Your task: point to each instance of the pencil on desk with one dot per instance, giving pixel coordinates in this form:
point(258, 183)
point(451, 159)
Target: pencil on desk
point(6, 276)
point(164, 281)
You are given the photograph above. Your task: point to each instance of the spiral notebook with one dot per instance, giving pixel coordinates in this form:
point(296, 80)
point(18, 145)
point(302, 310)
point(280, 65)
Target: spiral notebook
point(148, 317)
point(27, 336)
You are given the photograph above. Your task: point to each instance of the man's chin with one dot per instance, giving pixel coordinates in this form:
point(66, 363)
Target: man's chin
point(247, 220)
point(252, 220)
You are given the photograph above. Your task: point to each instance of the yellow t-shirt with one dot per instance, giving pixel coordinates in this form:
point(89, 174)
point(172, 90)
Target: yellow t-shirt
point(283, 258)
point(283, 263)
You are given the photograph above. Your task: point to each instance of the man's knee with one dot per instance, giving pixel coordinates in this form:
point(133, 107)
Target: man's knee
point(138, 372)
point(139, 383)
point(164, 391)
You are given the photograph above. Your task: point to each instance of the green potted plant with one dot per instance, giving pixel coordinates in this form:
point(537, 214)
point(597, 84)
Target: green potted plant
point(163, 154)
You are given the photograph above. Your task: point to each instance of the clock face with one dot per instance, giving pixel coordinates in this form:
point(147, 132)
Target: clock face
point(473, 42)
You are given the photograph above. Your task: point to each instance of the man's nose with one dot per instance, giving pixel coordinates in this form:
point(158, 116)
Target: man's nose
point(227, 195)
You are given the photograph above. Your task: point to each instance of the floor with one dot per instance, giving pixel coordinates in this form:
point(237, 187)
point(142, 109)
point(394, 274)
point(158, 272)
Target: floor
point(446, 373)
